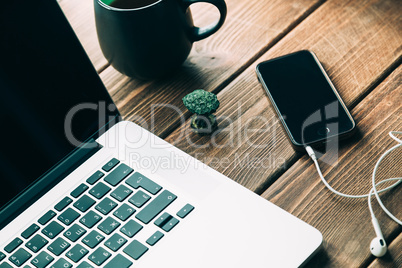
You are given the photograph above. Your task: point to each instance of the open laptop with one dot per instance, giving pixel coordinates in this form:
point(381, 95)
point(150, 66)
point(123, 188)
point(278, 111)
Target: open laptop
point(79, 187)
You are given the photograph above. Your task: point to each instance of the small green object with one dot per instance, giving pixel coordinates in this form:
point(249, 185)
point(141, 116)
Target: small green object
point(203, 104)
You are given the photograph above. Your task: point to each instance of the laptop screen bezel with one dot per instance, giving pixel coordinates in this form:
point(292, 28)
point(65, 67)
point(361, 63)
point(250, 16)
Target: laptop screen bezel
point(77, 156)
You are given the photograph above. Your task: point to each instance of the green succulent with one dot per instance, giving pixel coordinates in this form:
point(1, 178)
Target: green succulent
point(201, 102)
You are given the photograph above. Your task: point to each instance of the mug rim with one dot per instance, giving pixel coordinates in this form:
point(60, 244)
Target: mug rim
point(126, 9)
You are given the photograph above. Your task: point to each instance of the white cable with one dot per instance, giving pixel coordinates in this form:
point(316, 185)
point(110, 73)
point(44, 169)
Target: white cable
point(375, 188)
point(371, 193)
point(312, 155)
point(342, 194)
point(392, 134)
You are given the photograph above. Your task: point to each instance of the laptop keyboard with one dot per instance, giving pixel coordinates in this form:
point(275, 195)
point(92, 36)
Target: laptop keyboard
point(99, 218)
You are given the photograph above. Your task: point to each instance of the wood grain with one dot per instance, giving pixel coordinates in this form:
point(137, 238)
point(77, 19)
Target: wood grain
point(393, 259)
point(80, 14)
point(251, 27)
point(346, 223)
point(252, 149)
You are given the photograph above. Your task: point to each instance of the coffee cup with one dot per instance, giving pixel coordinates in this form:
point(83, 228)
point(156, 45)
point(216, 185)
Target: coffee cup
point(149, 39)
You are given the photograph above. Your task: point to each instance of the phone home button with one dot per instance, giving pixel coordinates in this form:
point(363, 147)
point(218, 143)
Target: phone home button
point(323, 131)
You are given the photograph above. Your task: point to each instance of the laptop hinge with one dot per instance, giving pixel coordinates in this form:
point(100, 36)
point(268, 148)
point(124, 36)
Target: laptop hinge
point(42, 185)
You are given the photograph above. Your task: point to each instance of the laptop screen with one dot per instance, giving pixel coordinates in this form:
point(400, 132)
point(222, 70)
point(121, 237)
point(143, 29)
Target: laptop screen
point(51, 98)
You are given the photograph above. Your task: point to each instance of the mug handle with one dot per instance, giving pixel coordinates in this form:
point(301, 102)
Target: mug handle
point(201, 33)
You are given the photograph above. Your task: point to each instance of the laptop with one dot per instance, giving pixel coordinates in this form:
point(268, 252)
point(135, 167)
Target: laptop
point(82, 188)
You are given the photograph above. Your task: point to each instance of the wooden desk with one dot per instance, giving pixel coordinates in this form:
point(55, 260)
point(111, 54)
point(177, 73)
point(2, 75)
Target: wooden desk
point(360, 45)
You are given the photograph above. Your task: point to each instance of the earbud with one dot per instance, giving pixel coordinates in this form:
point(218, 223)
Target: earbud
point(378, 247)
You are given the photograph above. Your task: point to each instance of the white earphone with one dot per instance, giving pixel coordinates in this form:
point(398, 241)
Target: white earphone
point(378, 246)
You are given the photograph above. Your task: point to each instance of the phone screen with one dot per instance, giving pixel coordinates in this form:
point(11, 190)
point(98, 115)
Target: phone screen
point(304, 98)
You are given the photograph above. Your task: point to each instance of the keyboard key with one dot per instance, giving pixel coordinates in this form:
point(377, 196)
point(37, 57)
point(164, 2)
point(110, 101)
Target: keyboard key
point(42, 260)
point(156, 206)
point(77, 253)
point(20, 257)
point(106, 205)
point(121, 193)
point(99, 256)
point(5, 265)
point(36, 243)
point(119, 261)
point(162, 220)
point(170, 224)
point(95, 177)
point(52, 229)
point(74, 233)
point(111, 164)
point(131, 228)
point(119, 174)
point(79, 190)
point(139, 180)
point(58, 246)
point(90, 219)
point(84, 203)
point(166, 222)
point(61, 263)
point(84, 264)
point(135, 250)
point(68, 216)
point(63, 203)
point(139, 199)
point(30, 231)
point(93, 239)
point(13, 245)
point(115, 242)
point(123, 212)
point(185, 211)
point(108, 225)
point(47, 217)
point(99, 190)
point(2, 256)
point(154, 238)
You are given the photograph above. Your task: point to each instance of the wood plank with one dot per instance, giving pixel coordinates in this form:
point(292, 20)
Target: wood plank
point(394, 257)
point(80, 14)
point(356, 46)
point(251, 27)
point(346, 223)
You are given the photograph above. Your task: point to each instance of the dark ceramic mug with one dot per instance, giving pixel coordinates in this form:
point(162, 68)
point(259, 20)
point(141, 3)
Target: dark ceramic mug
point(149, 39)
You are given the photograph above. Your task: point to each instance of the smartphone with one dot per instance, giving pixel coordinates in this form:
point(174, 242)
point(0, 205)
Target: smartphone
point(307, 103)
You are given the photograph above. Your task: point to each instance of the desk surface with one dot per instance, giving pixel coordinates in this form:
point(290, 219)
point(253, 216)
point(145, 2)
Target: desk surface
point(359, 44)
